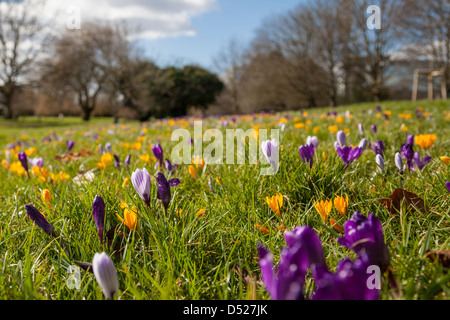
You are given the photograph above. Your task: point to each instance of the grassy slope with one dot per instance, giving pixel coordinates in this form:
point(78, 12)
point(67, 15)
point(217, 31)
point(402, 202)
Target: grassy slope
point(180, 256)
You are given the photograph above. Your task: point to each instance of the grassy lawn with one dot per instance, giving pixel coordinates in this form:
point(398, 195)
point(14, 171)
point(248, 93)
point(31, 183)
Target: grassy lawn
point(190, 253)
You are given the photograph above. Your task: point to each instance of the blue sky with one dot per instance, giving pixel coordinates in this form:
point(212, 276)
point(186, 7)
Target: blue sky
point(213, 30)
point(174, 31)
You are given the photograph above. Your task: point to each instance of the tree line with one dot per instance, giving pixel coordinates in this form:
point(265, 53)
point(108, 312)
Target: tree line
point(319, 53)
point(323, 53)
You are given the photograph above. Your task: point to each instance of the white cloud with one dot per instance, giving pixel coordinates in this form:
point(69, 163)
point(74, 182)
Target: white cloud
point(151, 18)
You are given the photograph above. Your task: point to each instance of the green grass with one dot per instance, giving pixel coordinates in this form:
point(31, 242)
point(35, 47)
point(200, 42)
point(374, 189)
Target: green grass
point(177, 255)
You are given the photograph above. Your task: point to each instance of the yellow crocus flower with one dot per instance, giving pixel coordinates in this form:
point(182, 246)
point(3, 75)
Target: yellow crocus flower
point(425, 140)
point(129, 218)
point(36, 171)
point(333, 129)
point(46, 196)
point(192, 171)
point(101, 165)
point(106, 158)
point(125, 182)
point(199, 162)
point(445, 159)
point(341, 204)
point(145, 157)
point(275, 203)
point(324, 208)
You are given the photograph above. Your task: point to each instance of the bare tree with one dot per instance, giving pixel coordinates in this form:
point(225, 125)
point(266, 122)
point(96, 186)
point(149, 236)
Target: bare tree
point(292, 36)
point(425, 27)
point(229, 63)
point(21, 43)
point(373, 46)
point(87, 62)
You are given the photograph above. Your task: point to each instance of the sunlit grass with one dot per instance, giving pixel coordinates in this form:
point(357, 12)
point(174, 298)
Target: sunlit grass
point(178, 255)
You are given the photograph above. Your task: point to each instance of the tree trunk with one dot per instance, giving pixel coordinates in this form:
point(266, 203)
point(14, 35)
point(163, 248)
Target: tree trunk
point(86, 113)
point(8, 105)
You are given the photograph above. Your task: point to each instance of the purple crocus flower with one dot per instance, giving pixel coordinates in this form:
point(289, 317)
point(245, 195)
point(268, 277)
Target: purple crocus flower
point(163, 191)
point(447, 184)
point(270, 149)
point(306, 236)
point(373, 128)
point(169, 165)
point(106, 275)
point(23, 160)
point(307, 153)
point(127, 160)
point(286, 281)
point(407, 152)
point(100, 149)
point(361, 129)
point(420, 162)
point(377, 147)
point(39, 220)
point(349, 154)
point(70, 144)
point(348, 283)
point(419, 114)
point(98, 210)
point(363, 144)
point(37, 162)
point(141, 181)
point(341, 139)
point(398, 162)
point(312, 140)
point(159, 154)
point(380, 161)
point(116, 161)
point(410, 138)
point(108, 147)
point(365, 235)
point(378, 108)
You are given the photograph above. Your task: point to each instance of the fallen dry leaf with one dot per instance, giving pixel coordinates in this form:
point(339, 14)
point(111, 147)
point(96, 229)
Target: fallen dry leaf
point(73, 155)
point(410, 200)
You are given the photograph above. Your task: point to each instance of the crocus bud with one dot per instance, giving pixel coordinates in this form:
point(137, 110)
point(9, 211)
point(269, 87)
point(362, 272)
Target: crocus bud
point(363, 144)
point(361, 129)
point(98, 209)
point(106, 275)
point(70, 144)
point(312, 140)
point(307, 154)
point(127, 160)
point(169, 165)
point(398, 161)
point(23, 160)
point(270, 150)
point(158, 153)
point(39, 162)
point(100, 149)
point(336, 145)
point(410, 138)
point(108, 147)
point(116, 161)
point(373, 128)
point(39, 220)
point(447, 184)
point(141, 181)
point(340, 138)
point(380, 161)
